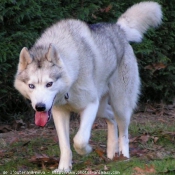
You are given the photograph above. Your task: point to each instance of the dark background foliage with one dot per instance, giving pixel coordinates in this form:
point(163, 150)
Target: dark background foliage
point(22, 21)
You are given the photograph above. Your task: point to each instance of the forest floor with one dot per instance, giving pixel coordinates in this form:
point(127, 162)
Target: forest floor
point(27, 149)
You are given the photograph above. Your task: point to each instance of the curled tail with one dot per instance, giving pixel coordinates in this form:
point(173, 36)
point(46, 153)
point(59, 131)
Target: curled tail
point(139, 18)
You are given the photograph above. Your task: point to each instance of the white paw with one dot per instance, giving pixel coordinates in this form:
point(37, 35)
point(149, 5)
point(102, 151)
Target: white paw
point(112, 149)
point(82, 149)
point(125, 152)
point(61, 171)
point(65, 164)
point(81, 145)
point(124, 147)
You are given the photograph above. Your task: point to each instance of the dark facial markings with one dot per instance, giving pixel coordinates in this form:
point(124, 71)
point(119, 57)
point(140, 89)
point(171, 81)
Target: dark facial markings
point(39, 64)
point(55, 77)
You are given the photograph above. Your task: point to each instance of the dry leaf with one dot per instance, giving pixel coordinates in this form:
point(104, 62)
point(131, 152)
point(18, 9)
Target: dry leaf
point(5, 128)
point(16, 124)
point(144, 138)
point(3, 143)
point(45, 161)
point(88, 162)
point(137, 152)
point(134, 139)
point(162, 120)
point(151, 156)
point(101, 153)
point(13, 140)
point(95, 126)
point(2, 153)
point(156, 139)
point(146, 169)
point(120, 157)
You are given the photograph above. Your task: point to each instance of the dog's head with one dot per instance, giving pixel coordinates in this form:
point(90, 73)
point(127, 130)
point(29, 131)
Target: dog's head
point(41, 77)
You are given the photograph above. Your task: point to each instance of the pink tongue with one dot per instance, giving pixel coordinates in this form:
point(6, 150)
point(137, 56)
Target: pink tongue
point(41, 118)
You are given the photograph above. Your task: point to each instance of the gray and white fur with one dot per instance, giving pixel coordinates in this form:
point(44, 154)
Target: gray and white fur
point(88, 69)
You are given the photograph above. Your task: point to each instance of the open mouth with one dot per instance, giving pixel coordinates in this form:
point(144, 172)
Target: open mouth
point(41, 118)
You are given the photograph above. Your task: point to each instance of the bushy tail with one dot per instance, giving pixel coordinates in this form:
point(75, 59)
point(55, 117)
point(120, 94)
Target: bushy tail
point(139, 18)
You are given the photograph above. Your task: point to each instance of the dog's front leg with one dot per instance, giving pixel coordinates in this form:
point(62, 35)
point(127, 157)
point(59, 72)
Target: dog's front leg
point(81, 140)
point(61, 120)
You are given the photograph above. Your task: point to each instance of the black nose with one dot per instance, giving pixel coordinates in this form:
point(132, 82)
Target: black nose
point(40, 107)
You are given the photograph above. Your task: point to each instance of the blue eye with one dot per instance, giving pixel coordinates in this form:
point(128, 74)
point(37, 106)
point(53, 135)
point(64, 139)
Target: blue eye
point(49, 84)
point(31, 86)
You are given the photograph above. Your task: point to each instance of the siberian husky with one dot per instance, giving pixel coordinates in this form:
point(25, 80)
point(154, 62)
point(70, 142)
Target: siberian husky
point(88, 69)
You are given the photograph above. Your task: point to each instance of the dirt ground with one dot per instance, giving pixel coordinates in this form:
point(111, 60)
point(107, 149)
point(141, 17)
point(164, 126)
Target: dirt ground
point(157, 113)
point(25, 132)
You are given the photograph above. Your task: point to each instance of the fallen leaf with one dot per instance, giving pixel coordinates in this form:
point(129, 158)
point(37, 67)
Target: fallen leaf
point(168, 135)
point(156, 139)
point(2, 153)
point(101, 153)
point(162, 120)
point(13, 140)
point(120, 157)
point(45, 161)
point(144, 138)
point(17, 124)
point(146, 169)
point(151, 156)
point(134, 139)
point(42, 148)
point(88, 162)
point(3, 143)
point(137, 152)
point(26, 143)
point(95, 126)
point(5, 128)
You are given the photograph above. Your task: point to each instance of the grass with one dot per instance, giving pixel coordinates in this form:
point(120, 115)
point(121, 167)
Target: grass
point(156, 155)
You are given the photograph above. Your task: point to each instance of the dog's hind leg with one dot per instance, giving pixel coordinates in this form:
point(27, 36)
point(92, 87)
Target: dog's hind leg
point(61, 120)
point(123, 119)
point(105, 111)
point(81, 139)
point(123, 113)
point(123, 92)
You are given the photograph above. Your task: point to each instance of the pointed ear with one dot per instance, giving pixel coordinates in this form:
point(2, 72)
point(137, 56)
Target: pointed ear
point(52, 55)
point(24, 59)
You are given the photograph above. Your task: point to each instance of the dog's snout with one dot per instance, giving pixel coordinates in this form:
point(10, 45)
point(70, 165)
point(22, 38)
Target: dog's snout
point(40, 107)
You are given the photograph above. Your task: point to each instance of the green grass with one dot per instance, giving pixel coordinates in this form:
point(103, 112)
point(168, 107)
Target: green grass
point(159, 154)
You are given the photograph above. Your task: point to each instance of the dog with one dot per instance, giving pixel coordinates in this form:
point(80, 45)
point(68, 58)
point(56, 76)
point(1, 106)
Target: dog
point(89, 69)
